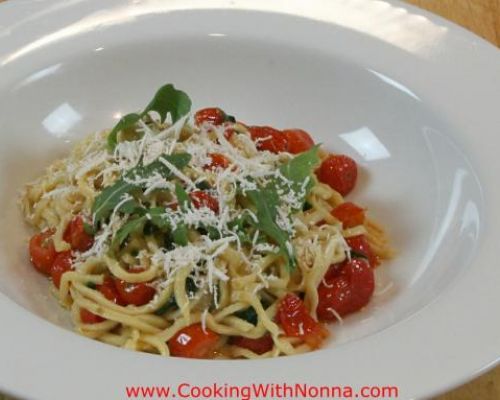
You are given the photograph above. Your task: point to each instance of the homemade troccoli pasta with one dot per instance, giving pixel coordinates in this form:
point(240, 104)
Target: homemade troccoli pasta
point(203, 237)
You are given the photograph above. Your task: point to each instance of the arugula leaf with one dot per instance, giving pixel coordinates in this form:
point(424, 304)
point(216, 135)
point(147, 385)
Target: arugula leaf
point(165, 307)
point(89, 229)
point(129, 227)
point(108, 199)
point(191, 288)
point(240, 225)
point(203, 185)
point(125, 122)
point(179, 161)
point(266, 201)
point(130, 206)
point(357, 254)
point(182, 196)
point(180, 235)
point(157, 215)
point(248, 314)
point(167, 100)
point(297, 170)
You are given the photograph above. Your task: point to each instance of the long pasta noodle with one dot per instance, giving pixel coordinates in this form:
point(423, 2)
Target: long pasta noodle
point(218, 274)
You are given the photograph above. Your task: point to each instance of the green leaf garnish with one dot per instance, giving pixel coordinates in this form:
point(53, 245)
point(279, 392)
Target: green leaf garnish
point(179, 161)
point(111, 196)
point(167, 100)
point(357, 254)
point(170, 303)
point(133, 225)
point(266, 202)
point(298, 171)
point(191, 288)
point(89, 229)
point(180, 235)
point(108, 199)
point(203, 185)
point(248, 314)
point(182, 196)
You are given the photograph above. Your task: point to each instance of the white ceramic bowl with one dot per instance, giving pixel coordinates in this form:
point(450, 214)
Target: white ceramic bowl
point(413, 98)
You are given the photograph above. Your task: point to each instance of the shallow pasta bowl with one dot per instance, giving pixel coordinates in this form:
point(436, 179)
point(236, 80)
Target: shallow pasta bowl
point(411, 97)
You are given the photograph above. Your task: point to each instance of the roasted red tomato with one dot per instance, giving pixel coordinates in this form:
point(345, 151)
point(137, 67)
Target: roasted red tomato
point(298, 140)
point(76, 236)
point(42, 251)
point(268, 138)
point(347, 290)
point(136, 294)
point(203, 199)
point(194, 342)
point(89, 318)
point(297, 322)
point(360, 246)
point(339, 172)
point(213, 114)
point(109, 290)
point(62, 263)
point(349, 214)
point(218, 161)
point(259, 346)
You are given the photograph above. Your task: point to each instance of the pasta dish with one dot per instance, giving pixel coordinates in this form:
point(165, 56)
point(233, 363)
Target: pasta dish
point(202, 236)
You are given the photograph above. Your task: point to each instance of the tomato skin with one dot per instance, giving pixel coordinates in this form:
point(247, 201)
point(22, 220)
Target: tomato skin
point(348, 291)
point(270, 139)
point(193, 342)
point(349, 214)
point(212, 114)
point(89, 318)
point(218, 161)
point(258, 346)
point(136, 294)
point(298, 140)
point(203, 199)
point(340, 172)
point(359, 244)
point(42, 251)
point(109, 291)
point(62, 263)
point(76, 236)
point(297, 322)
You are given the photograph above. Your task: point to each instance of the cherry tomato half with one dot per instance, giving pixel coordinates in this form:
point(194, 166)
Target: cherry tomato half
point(347, 291)
point(360, 245)
point(297, 322)
point(298, 140)
point(76, 236)
point(218, 161)
point(258, 346)
point(62, 263)
point(349, 214)
point(42, 251)
point(203, 199)
point(109, 291)
point(136, 294)
point(90, 318)
point(213, 114)
point(268, 138)
point(340, 172)
point(193, 342)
